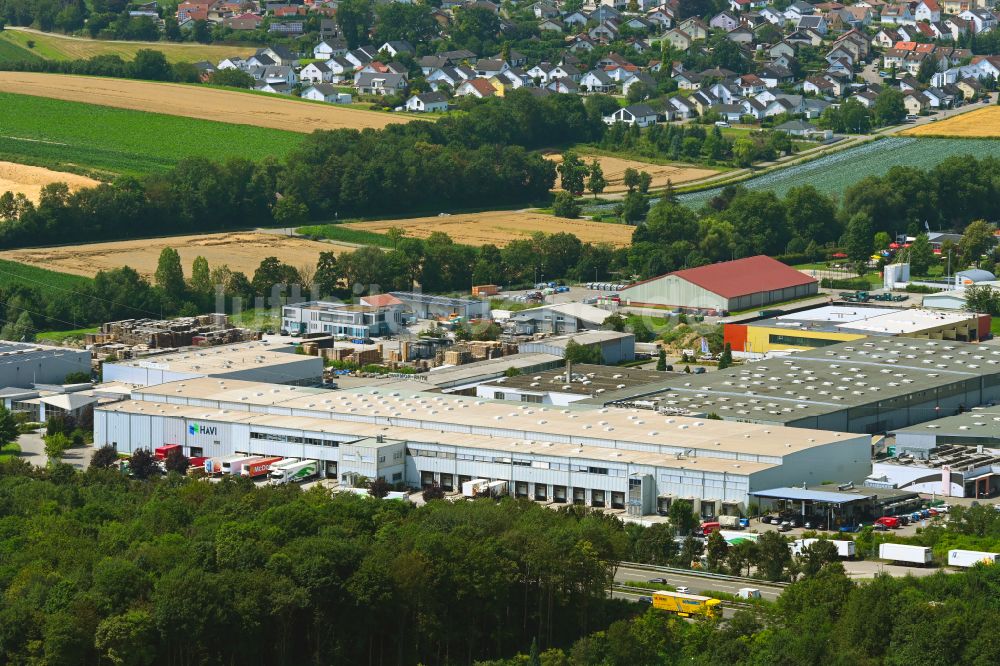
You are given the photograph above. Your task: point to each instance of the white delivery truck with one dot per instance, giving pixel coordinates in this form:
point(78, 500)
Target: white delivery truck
point(730, 522)
point(749, 593)
point(475, 487)
point(497, 488)
point(845, 549)
point(898, 552)
point(284, 462)
point(970, 558)
point(217, 465)
point(235, 466)
point(294, 473)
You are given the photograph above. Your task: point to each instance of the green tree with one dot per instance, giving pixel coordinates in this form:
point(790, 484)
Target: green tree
point(169, 275)
point(177, 462)
point(232, 78)
point(726, 357)
point(104, 457)
point(614, 322)
point(56, 445)
point(921, 255)
point(565, 205)
point(290, 212)
point(572, 172)
point(8, 426)
point(353, 19)
point(634, 207)
point(773, 555)
point(142, 464)
point(815, 556)
point(150, 65)
point(631, 179)
point(596, 182)
point(328, 274)
point(716, 550)
point(682, 516)
point(379, 488)
point(976, 241)
point(129, 639)
point(859, 238)
point(661, 361)
point(201, 277)
point(21, 330)
point(889, 107)
point(577, 353)
point(982, 299)
point(645, 180)
point(744, 150)
point(271, 273)
point(742, 555)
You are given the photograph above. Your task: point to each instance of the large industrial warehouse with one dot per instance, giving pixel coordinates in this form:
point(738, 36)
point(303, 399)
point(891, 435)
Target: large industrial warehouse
point(729, 286)
point(868, 386)
point(629, 459)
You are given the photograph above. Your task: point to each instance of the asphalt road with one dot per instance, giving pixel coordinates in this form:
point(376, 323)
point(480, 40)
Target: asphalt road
point(33, 450)
point(727, 611)
point(697, 584)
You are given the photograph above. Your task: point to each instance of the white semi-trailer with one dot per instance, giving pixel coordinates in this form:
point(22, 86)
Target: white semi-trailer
point(969, 558)
point(845, 548)
point(294, 473)
point(898, 552)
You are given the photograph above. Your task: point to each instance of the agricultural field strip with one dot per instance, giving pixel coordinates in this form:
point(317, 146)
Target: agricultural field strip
point(834, 173)
point(75, 136)
point(981, 123)
point(192, 101)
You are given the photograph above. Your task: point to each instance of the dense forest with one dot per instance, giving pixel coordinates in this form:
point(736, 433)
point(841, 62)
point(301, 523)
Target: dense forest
point(98, 568)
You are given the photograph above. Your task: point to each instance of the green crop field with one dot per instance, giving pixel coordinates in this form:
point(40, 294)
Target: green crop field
point(11, 52)
point(101, 141)
point(48, 283)
point(834, 173)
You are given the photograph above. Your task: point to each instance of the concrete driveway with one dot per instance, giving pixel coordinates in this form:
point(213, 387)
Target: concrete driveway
point(33, 450)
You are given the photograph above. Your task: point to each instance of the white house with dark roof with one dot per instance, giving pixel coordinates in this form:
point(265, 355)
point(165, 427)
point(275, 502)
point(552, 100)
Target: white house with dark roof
point(324, 92)
point(427, 102)
point(642, 115)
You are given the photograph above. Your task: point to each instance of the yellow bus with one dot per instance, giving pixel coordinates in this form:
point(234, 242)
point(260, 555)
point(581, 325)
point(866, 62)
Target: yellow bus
point(687, 605)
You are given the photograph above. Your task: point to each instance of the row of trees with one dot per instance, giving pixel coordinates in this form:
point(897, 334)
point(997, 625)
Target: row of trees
point(692, 142)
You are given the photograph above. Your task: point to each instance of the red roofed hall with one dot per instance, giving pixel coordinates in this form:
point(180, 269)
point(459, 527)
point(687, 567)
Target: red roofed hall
point(729, 286)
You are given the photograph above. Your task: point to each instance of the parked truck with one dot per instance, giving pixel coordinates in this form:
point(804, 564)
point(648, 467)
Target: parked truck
point(898, 552)
point(214, 465)
point(294, 473)
point(260, 467)
point(236, 465)
point(161, 452)
point(969, 558)
point(845, 549)
point(730, 522)
point(475, 487)
point(497, 488)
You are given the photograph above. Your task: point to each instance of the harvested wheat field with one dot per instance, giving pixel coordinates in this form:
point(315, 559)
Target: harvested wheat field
point(981, 123)
point(191, 101)
point(29, 180)
point(54, 46)
point(241, 251)
point(501, 227)
point(614, 171)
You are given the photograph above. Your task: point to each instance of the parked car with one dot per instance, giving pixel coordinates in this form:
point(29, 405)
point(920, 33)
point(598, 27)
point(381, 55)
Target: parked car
point(645, 600)
point(661, 581)
point(849, 528)
point(784, 527)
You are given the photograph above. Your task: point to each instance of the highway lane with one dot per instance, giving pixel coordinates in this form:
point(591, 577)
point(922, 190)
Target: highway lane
point(697, 584)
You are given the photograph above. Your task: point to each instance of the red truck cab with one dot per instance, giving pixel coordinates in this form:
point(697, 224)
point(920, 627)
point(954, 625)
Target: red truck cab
point(890, 522)
point(709, 527)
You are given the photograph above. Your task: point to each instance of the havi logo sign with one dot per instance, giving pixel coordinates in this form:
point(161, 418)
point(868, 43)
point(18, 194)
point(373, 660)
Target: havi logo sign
point(195, 429)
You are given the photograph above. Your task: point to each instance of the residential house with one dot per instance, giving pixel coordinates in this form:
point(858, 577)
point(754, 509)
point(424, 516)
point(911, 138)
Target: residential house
point(638, 23)
point(916, 102)
point(928, 10)
point(661, 18)
point(395, 48)
point(544, 10)
point(937, 98)
point(688, 80)
point(751, 84)
point(324, 92)
point(427, 102)
point(551, 25)
point(746, 5)
point(781, 48)
point(358, 57)
point(639, 78)
point(597, 81)
point(678, 39)
point(683, 107)
point(814, 108)
point(695, 28)
point(563, 86)
point(604, 32)
point(379, 83)
point(724, 21)
point(449, 76)
point(819, 85)
point(316, 72)
point(487, 67)
point(798, 128)
point(243, 22)
point(274, 88)
point(475, 87)
point(797, 10)
point(731, 113)
point(565, 71)
point(957, 27)
point(577, 18)
point(340, 68)
point(980, 20)
point(772, 16)
point(970, 88)
point(540, 72)
point(326, 50)
point(898, 15)
point(886, 38)
point(772, 75)
point(740, 35)
point(642, 115)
